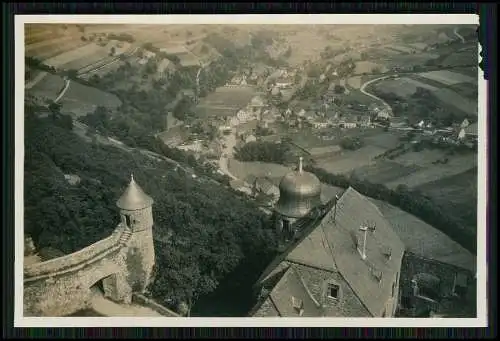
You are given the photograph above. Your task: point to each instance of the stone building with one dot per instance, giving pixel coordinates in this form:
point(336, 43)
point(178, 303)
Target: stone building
point(120, 265)
point(340, 259)
point(343, 258)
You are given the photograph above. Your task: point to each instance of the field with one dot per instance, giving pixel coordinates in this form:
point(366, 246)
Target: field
point(225, 101)
point(447, 77)
point(459, 102)
point(48, 87)
point(401, 48)
point(425, 240)
point(456, 165)
point(103, 70)
point(351, 160)
point(80, 99)
point(409, 59)
point(368, 67)
point(461, 58)
point(305, 45)
point(383, 171)
point(402, 87)
point(93, 57)
point(455, 190)
point(243, 169)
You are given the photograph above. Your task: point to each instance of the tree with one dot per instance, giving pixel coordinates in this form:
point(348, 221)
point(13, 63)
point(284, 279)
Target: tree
point(338, 89)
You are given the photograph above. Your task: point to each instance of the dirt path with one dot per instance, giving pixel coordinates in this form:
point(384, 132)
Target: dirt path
point(455, 31)
point(106, 307)
point(36, 80)
point(363, 87)
point(227, 152)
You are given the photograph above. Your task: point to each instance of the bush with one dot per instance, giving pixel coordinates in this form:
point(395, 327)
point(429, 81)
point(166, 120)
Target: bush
point(351, 143)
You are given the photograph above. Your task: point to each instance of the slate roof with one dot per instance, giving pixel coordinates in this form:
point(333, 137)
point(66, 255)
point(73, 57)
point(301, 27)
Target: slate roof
point(134, 198)
point(471, 129)
point(331, 246)
point(291, 286)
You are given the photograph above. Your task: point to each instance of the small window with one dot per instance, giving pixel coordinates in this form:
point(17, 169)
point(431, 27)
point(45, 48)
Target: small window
point(127, 220)
point(333, 291)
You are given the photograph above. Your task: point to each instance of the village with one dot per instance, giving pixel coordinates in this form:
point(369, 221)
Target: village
point(394, 117)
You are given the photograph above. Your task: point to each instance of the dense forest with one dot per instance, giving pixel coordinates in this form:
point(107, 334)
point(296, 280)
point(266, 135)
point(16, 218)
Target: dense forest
point(206, 239)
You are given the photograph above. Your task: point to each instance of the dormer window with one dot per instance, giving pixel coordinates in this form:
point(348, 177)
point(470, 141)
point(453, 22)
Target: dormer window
point(333, 291)
point(298, 305)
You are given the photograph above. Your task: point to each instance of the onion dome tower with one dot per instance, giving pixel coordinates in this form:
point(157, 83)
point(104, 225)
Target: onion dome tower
point(300, 192)
point(136, 211)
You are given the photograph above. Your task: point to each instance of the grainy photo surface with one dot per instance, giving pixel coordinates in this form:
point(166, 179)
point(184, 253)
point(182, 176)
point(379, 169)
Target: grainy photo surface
point(190, 170)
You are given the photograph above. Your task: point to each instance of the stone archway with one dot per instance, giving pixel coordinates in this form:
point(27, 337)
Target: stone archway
point(112, 286)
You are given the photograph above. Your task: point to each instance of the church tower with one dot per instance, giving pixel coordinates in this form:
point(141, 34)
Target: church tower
point(136, 212)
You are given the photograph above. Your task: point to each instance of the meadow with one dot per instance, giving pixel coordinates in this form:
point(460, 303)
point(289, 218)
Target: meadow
point(49, 87)
point(225, 101)
point(433, 172)
point(81, 99)
point(457, 192)
point(447, 77)
point(402, 87)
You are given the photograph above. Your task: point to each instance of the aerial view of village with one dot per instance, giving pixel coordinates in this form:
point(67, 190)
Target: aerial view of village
point(250, 170)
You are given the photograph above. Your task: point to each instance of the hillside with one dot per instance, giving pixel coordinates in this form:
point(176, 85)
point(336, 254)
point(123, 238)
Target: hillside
point(209, 235)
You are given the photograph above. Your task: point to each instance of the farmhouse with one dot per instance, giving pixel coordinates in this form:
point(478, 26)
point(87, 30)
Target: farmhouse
point(383, 114)
point(263, 185)
point(165, 68)
point(468, 133)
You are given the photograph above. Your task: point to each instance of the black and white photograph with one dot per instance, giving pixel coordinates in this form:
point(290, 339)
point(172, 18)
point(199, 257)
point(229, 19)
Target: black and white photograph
point(262, 170)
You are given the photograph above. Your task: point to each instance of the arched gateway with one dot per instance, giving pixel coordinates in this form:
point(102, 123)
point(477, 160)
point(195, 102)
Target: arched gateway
point(118, 265)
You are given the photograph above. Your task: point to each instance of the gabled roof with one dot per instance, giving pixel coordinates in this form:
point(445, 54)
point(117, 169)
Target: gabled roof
point(331, 246)
point(471, 129)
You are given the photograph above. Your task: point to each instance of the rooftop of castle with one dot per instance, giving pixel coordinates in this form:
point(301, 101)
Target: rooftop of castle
point(134, 197)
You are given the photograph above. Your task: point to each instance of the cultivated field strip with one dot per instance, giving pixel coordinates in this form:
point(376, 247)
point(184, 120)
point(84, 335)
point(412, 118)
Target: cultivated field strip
point(402, 87)
point(83, 52)
point(56, 49)
point(461, 103)
point(447, 77)
point(455, 165)
point(385, 171)
point(52, 41)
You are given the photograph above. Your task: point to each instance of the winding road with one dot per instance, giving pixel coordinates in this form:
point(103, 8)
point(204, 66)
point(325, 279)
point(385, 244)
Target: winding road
point(363, 87)
point(455, 31)
point(227, 152)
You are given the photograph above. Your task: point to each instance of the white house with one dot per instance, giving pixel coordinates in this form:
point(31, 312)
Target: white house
point(465, 123)
point(234, 121)
point(250, 138)
point(319, 124)
point(245, 116)
point(383, 114)
point(165, 68)
point(469, 132)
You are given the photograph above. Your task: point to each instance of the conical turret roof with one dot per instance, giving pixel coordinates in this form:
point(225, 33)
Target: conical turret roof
point(134, 198)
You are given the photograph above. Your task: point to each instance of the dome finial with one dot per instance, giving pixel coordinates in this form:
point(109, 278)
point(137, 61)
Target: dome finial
point(300, 164)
